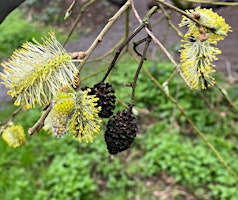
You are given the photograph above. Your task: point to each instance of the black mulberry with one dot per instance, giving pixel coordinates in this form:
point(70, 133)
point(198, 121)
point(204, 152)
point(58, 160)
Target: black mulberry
point(121, 131)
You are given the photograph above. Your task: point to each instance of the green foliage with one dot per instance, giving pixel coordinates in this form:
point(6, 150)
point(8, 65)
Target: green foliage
point(14, 31)
point(67, 176)
point(189, 161)
point(49, 168)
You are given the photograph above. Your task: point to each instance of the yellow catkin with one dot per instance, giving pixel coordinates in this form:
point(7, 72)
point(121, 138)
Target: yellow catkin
point(198, 51)
point(14, 136)
point(85, 122)
point(34, 73)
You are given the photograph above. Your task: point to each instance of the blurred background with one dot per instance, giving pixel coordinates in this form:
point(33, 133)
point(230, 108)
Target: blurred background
point(167, 160)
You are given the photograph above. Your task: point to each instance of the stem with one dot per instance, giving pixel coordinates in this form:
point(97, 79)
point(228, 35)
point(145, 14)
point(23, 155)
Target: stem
point(100, 58)
point(127, 23)
point(225, 95)
point(199, 133)
point(148, 40)
point(40, 123)
point(112, 65)
point(170, 23)
point(99, 38)
point(126, 35)
point(82, 11)
point(10, 119)
point(69, 10)
point(136, 44)
point(185, 14)
point(177, 68)
point(138, 29)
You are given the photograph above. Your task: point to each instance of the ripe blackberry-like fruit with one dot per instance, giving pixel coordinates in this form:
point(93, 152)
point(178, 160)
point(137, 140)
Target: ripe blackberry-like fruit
point(107, 98)
point(121, 131)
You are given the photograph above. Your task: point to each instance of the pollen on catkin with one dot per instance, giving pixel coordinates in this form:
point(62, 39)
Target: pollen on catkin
point(62, 109)
point(14, 136)
point(85, 122)
point(34, 73)
point(198, 48)
point(219, 27)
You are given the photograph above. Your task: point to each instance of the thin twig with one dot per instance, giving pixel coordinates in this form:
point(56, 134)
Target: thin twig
point(126, 35)
point(69, 10)
point(226, 96)
point(136, 44)
point(82, 11)
point(107, 53)
point(190, 16)
point(127, 23)
point(170, 57)
point(199, 133)
point(99, 38)
point(11, 118)
point(138, 29)
point(94, 74)
point(40, 123)
point(213, 2)
point(120, 49)
point(148, 40)
point(170, 23)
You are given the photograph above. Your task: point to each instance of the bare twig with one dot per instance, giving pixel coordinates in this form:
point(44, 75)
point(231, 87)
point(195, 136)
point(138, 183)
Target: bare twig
point(120, 49)
point(11, 118)
point(226, 96)
point(190, 16)
point(107, 53)
point(103, 32)
point(138, 29)
point(195, 128)
point(148, 40)
point(126, 35)
point(82, 11)
point(170, 23)
point(69, 10)
point(40, 123)
point(177, 68)
point(214, 2)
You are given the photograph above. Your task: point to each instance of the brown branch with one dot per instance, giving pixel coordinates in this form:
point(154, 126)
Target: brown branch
point(214, 3)
point(82, 11)
point(69, 10)
point(195, 128)
point(170, 57)
point(40, 123)
point(99, 38)
point(190, 16)
point(10, 119)
point(148, 40)
point(120, 50)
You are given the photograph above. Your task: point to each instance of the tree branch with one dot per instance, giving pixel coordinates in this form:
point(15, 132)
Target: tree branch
point(177, 68)
point(99, 38)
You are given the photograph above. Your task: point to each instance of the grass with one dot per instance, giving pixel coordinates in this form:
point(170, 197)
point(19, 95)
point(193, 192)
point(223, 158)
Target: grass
point(166, 159)
point(166, 153)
